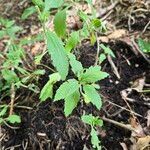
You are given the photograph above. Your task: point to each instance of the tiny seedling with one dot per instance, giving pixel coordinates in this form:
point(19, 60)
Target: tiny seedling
point(93, 122)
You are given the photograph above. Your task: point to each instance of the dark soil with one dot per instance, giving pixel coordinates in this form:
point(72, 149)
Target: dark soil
point(45, 127)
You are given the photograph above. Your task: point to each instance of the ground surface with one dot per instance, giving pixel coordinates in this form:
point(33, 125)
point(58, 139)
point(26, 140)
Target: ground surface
point(46, 128)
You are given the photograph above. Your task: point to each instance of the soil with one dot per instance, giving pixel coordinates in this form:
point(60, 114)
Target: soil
point(46, 128)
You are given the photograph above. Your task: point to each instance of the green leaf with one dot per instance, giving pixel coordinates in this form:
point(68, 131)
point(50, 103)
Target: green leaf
point(87, 119)
point(2, 34)
point(107, 50)
point(71, 102)
point(47, 90)
point(60, 23)
point(96, 23)
point(39, 72)
point(14, 119)
point(53, 4)
point(93, 95)
point(39, 3)
point(92, 38)
point(92, 74)
point(9, 76)
point(75, 65)
point(94, 139)
point(72, 41)
point(144, 46)
point(1, 120)
point(27, 12)
point(3, 111)
point(58, 54)
point(66, 89)
point(92, 120)
point(102, 57)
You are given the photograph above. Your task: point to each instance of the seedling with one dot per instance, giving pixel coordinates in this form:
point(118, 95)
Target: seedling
point(93, 122)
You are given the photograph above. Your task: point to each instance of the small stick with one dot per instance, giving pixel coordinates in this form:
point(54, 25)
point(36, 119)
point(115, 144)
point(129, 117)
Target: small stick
point(128, 127)
point(12, 97)
point(113, 66)
point(98, 50)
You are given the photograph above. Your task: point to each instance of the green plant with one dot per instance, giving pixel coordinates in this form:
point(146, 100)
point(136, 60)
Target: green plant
point(144, 46)
point(93, 122)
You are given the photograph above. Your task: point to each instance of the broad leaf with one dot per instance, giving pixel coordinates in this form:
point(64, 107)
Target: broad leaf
point(58, 54)
point(92, 74)
point(71, 102)
point(14, 119)
point(93, 95)
point(60, 23)
point(72, 41)
point(75, 65)
point(27, 12)
point(66, 89)
point(87, 119)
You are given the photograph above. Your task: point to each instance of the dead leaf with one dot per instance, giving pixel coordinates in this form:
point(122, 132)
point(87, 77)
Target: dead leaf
point(117, 34)
point(143, 143)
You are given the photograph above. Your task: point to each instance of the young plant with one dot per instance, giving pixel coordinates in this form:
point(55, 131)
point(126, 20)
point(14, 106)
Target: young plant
point(93, 122)
point(144, 46)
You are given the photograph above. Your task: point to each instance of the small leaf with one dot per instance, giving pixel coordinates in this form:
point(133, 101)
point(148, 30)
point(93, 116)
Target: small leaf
point(93, 95)
point(60, 23)
point(58, 54)
point(3, 111)
point(66, 89)
point(1, 120)
point(27, 12)
point(14, 119)
point(72, 41)
point(88, 119)
point(71, 102)
point(94, 139)
point(39, 72)
point(144, 46)
point(75, 65)
point(96, 23)
point(92, 38)
point(102, 57)
point(92, 74)
point(9, 76)
point(39, 3)
point(53, 4)
point(47, 91)
point(107, 50)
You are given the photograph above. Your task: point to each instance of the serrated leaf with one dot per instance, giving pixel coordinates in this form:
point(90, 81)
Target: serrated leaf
point(3, 111)
point(14, 119)
point(75, 64)
point(66, 89)
point(87, 119)
point(72, 41)
point(53, 4)
point(47, 90)
point(93, 74)
point(27, 12)
point(94, 139)
point(58, 54)
point(144, 46)
point(107, 50)
point(60, 23)
point(93, 95)
point(71, 102)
